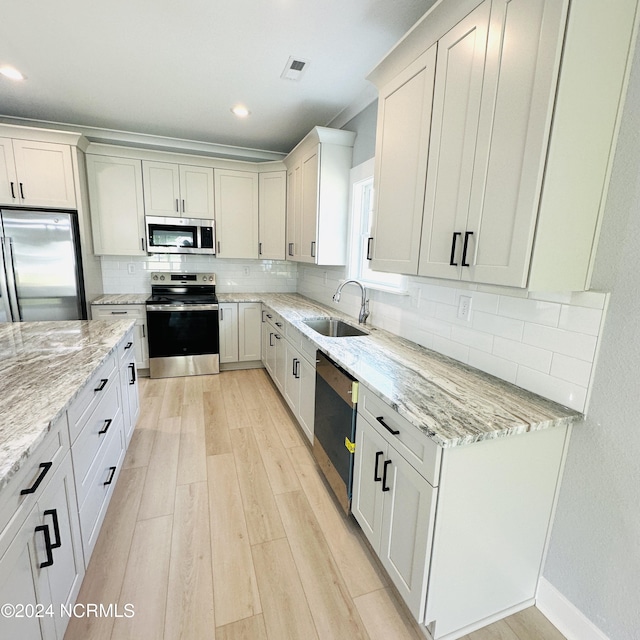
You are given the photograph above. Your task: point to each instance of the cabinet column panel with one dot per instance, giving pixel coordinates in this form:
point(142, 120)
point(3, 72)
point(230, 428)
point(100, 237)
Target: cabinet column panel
point(308, 231)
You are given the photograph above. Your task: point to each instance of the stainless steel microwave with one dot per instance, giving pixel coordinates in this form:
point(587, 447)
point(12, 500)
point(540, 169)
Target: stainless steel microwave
point(180, 235)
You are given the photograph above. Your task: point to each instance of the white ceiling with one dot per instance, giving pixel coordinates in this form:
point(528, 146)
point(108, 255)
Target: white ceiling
point(175, 67)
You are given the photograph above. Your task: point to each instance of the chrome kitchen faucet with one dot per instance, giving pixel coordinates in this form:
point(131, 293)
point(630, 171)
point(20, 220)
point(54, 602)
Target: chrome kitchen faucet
point(364, 306)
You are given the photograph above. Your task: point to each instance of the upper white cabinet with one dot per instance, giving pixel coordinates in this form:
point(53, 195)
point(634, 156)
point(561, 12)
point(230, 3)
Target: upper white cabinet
point(36, 174)
point(174, 190)
point(236, 206)
point(272, 192)
point(117, 209)
point(317, 196)
point(508, 199)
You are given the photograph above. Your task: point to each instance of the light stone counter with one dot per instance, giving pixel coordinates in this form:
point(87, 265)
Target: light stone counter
point(122, 298)
point(43, 366)
point(453, 403)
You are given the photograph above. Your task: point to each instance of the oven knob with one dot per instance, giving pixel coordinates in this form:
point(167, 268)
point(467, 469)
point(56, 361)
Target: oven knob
point(204, 278)
point(161, 277)
point(210, 278)
point(155, 277)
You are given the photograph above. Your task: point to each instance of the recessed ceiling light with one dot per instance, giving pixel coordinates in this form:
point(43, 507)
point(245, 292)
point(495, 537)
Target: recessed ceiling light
point(240, 110)
point(11, 72)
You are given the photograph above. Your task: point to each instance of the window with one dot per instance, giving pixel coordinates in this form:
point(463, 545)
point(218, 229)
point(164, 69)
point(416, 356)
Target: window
point(361, 220)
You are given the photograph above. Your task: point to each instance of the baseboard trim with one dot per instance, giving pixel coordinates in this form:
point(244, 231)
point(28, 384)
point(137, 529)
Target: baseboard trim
point(564, 615)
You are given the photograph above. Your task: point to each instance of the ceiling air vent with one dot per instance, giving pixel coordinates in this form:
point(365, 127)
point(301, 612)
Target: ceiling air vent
point(294, 68)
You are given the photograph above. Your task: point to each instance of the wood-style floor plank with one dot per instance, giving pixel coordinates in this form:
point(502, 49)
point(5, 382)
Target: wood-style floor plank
point(235, 593)
point(260, 510)
point(160, 484)
point(384, 618)
point(190, 613)
point(359, 570)
point(247, 629)
point(497, 631)
point(192, 459)
point(531, 624)
point(172, 399)
point(139, 451)
point(333, 611)
point(217, 438)
point(153, 388)
point(285, 608)
point(145, 581)
point(105, 573)
point(237, 415)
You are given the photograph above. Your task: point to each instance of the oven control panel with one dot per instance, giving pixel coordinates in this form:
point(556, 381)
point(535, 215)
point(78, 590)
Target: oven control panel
point(168, 277)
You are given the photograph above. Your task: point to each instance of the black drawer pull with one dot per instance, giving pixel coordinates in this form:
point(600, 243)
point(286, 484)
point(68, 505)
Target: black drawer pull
point(119, 313)
point(453, 249)
point(278, 324)
point(45, 466)
point(47, 545)
point(385, 466)
point(270, 339)
point(380, 419)
point(13, 193)
point(132, 367)
point(128, 346)
point(376, 476)
point(22, 196)
point(112, 471)
point(369, 242)
point(107, 424)
point(102, 385)
point(56, 526)
point(467, 235)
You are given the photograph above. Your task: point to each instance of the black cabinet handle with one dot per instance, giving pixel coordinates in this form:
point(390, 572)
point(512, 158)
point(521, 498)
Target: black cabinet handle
point(142, 243)
point(369, 243)
point(313, 248)
point(467, 235)
point(453, 249)
point(21, 190)
point(120, 313)
point(102, 385)
point(278, 324)
point(132, 366)
point(129, 344)
point(45, 466)
point(56, 526)
point(385, 466)
point(111, 474)
point(183, 207)
point(47, 545)
point(264, 313)
point(13, 193)
point(296, 372)
point(270, 339)
point(221, 315)
point(259, 248)
point(291, 248)
point(380, 419)
point(269, 316)
point(376, 477)
point(107, 424)
point(277, 337)
point(177, 207)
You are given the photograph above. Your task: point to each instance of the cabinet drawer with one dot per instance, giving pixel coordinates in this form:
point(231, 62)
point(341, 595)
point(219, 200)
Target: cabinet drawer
point(421, 452)
point(292, 335)
point(98, 493)
point(308, 349)
point(90, 396)
point(14, 506)
point(98, 431)
point(118, 311)
point(126, 347)
point(274, 319)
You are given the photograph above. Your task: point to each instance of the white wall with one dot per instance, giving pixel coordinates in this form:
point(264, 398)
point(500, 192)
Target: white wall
point(232, 275)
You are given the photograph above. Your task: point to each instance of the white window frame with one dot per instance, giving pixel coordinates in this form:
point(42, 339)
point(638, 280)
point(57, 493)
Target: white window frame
point(358, 268)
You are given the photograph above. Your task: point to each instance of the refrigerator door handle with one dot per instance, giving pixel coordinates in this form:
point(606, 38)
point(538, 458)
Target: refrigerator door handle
point(4, 289)
point(12, 284)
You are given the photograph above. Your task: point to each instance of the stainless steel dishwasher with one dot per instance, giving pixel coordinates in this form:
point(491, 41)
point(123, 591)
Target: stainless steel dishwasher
point(335, 426)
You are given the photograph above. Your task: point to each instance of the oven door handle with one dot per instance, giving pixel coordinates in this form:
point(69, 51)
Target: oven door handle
point(182, 307)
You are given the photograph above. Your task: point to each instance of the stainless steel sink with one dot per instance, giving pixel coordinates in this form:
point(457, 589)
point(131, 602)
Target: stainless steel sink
point(334, 328)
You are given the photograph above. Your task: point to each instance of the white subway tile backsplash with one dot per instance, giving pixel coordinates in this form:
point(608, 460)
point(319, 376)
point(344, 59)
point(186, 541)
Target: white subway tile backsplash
point(593, 299)
point(499, 367)
point(538, 311)
point(472, 338)
point(452, 349)
point(567, 393)
point(571, 369)
point(487, 302)
point(568, 343)
point(580, 319)
point(533, 357)
point(497, 325)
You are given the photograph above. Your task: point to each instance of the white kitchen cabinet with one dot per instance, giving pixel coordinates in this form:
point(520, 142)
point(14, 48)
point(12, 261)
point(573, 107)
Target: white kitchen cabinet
point(236, 206)
point(36, 174)
point(268, 349)
point(137, 312)
point(317, 197)
point(395, 506)
point(272, 191)
point(509, 199)
point(129, 391)
point(117, 206)
point(307, 403)
point(175, 190)
point(404, 123)
point(228, 323)
point(454, 131)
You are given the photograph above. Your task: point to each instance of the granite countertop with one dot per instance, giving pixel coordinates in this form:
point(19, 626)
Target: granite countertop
point(43, 366)
point(453, 403)
point(122, 298)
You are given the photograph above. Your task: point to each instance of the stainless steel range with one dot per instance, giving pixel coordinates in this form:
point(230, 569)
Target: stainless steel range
point(182, 322)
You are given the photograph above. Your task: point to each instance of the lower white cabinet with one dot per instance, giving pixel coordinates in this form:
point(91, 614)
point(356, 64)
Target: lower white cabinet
point(129, 387)
point(137, 312)
point(240, 332)
point(395, 506)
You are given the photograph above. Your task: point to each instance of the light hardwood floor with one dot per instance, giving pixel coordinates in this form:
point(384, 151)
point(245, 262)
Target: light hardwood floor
point(221, 527)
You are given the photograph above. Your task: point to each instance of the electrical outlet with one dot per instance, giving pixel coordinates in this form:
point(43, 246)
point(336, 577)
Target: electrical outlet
point(464, 308)
point(131, 268)
point(245, 271)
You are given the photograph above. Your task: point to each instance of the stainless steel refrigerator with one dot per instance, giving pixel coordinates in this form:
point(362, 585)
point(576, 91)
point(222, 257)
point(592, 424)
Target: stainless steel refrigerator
point(41, 268)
